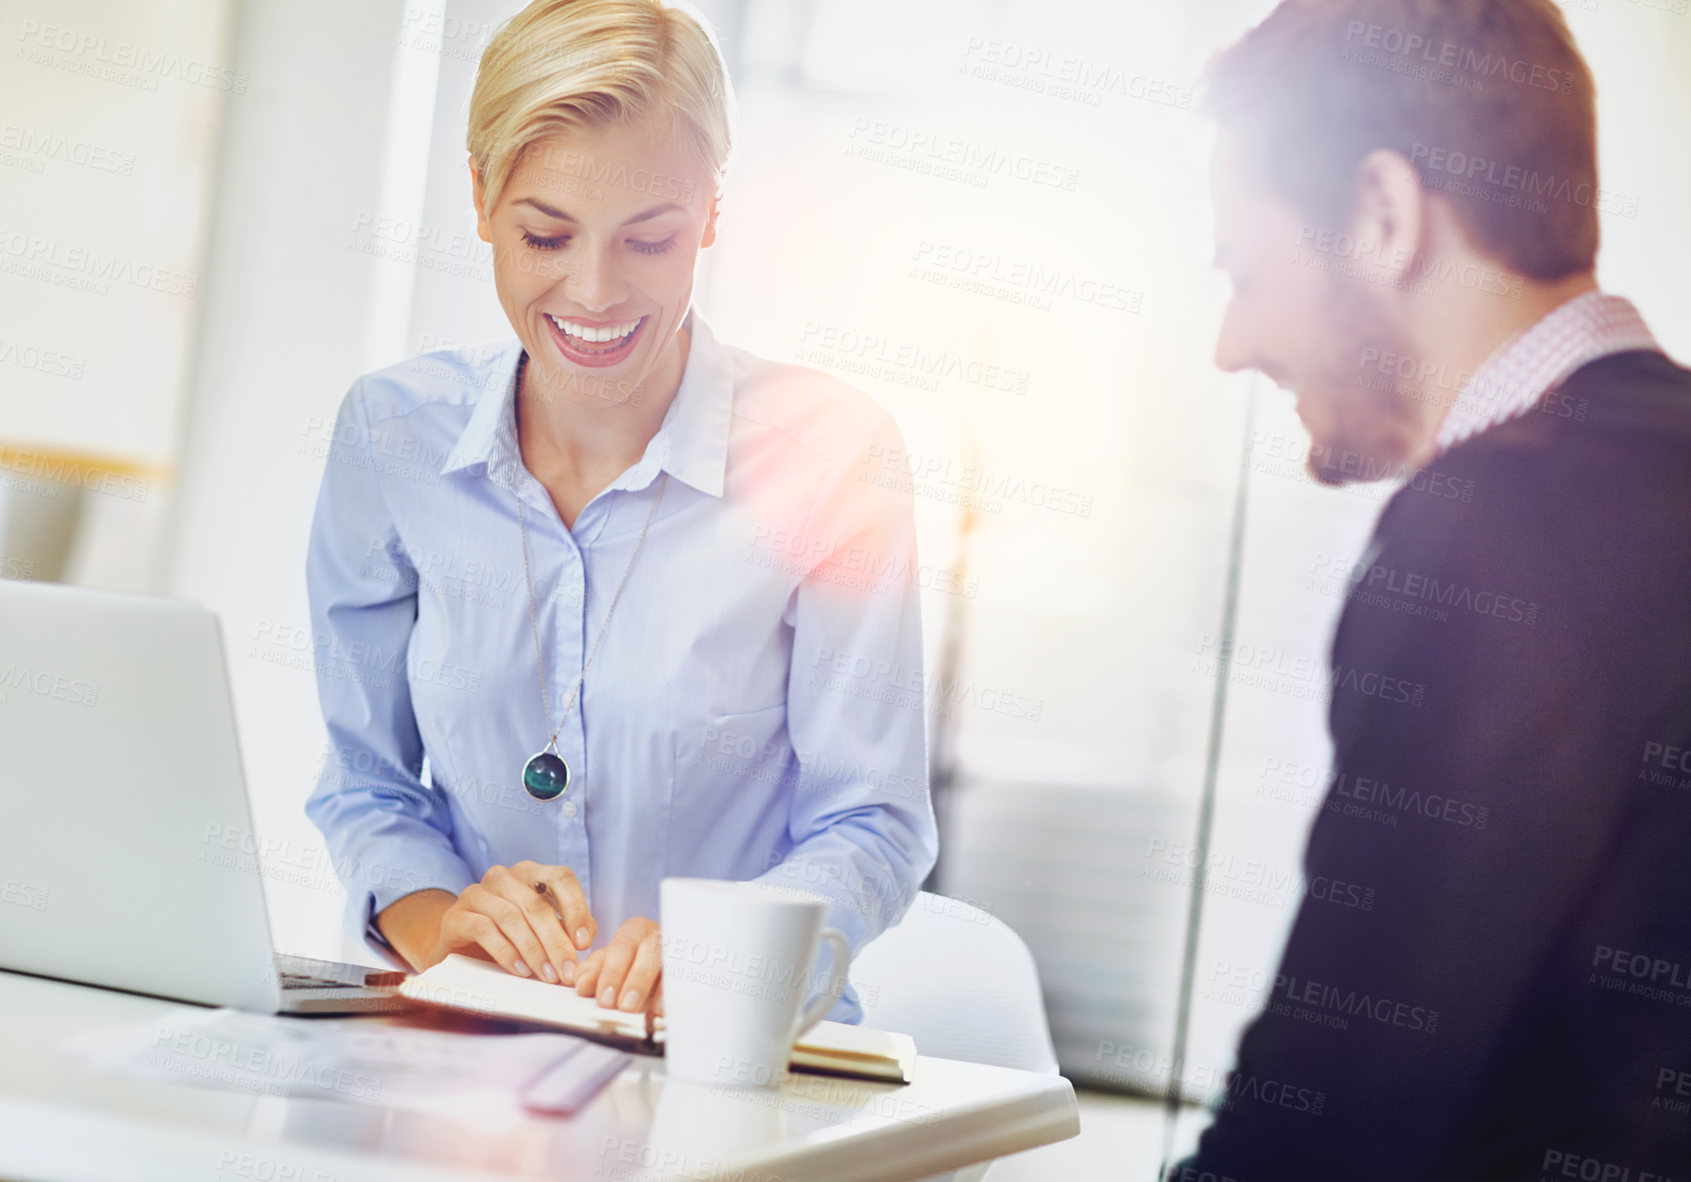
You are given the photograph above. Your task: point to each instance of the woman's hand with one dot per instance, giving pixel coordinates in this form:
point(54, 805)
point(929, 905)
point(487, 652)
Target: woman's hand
point(630, 965)
point(528, 931)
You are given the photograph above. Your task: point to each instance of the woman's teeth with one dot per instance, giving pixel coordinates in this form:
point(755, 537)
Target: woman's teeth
point(587, 334)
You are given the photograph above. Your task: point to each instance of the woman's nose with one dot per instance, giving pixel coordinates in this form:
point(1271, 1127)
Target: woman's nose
point(592, 282)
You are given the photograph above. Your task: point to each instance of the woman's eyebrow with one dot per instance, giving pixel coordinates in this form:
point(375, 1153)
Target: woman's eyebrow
point(643, 216)
point(544, 208)
point(655, 211)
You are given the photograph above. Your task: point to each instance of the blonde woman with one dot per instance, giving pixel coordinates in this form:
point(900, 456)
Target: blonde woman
point(616, 601)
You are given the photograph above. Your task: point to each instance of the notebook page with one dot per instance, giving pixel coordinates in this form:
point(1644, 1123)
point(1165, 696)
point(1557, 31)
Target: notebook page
point(480, 986)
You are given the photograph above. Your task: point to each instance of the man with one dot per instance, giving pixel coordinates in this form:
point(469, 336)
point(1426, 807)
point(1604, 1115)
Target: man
point(1407, 205)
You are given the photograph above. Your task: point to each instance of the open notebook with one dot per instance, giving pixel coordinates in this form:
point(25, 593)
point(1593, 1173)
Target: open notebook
point(480, 987)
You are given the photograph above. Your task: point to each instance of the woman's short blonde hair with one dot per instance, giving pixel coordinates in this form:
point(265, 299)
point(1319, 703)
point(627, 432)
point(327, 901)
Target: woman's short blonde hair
point(571, 65)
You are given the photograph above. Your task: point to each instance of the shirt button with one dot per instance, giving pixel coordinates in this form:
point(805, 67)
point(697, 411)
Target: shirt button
point(569, 808)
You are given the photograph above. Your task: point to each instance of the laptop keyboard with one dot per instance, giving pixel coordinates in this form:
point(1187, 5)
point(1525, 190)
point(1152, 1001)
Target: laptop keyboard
point(296, 981)
point(301, 972)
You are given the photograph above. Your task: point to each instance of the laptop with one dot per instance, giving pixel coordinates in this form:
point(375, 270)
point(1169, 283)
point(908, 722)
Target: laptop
point(127, 854)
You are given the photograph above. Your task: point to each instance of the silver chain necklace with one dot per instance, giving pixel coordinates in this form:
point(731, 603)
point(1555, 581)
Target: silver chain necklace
point(546, 775)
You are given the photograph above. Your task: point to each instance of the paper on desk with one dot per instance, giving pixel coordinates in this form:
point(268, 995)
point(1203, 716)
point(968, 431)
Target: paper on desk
point(328, 1058)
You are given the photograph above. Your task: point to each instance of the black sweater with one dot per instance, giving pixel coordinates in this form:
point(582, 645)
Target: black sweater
point(1516, 1004)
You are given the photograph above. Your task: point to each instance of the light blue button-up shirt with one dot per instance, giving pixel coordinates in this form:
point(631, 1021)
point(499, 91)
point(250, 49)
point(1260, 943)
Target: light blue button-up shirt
point(755, 710)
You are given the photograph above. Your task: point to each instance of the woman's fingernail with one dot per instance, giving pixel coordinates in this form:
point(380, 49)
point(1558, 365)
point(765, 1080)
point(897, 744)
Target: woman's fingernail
point(522, 970)
point(569, 972)
point(582, 938)
point(550, 973)
point(630, 999)
point(607, 995)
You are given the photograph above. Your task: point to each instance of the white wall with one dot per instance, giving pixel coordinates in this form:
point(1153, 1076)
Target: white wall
point(108, 121)
point(106, 131)
point(288, 316)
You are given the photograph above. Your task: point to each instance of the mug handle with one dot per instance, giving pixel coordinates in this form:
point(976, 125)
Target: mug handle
point(836, 940)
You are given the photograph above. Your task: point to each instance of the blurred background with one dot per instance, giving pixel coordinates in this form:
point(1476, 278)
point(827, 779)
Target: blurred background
point(991, 215)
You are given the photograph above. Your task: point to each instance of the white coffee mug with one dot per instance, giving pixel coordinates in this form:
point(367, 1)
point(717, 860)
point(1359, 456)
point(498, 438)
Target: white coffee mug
point(738, 959)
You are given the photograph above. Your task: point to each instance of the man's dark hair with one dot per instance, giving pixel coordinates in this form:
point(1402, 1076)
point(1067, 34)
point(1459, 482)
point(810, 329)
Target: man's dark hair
point(1490, 101)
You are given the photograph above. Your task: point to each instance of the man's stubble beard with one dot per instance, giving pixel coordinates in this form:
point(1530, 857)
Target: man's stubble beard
point(1373, 429)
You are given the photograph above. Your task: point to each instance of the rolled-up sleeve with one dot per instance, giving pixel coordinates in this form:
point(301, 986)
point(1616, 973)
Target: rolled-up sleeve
point(388, 833)
point(861, 819)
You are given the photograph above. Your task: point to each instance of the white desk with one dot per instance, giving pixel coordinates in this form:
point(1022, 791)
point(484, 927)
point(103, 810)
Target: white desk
point(61, 1122)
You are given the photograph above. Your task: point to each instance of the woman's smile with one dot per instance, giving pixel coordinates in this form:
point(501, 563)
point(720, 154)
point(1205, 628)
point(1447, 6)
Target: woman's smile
point(594, 343)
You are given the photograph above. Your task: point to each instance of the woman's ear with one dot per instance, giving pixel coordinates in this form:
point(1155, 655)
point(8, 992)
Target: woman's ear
point(710, 222)
point(478, 194)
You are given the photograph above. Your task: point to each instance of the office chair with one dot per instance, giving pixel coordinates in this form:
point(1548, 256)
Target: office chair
point(963, 985)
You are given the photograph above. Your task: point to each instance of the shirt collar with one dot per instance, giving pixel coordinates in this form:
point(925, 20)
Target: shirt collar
point(691, 443)
point(1541, 357)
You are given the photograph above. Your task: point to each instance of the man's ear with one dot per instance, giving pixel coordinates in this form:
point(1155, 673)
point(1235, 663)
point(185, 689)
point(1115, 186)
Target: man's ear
point(1389, 219)
point(478, 194)
point(710, 222)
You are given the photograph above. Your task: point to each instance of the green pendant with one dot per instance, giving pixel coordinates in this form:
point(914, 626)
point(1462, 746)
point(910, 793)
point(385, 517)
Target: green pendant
point(546, 776)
